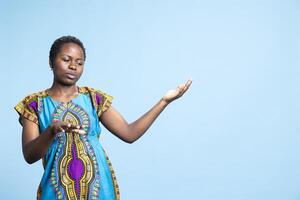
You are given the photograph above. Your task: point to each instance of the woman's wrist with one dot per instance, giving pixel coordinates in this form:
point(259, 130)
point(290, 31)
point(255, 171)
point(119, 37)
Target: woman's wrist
point(164, 102)
point(52, 130)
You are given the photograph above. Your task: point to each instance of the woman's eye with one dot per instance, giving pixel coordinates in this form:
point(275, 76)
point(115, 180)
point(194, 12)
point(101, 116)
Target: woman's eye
point(66, 59)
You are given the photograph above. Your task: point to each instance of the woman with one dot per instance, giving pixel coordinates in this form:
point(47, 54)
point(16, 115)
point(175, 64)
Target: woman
point(61, 126)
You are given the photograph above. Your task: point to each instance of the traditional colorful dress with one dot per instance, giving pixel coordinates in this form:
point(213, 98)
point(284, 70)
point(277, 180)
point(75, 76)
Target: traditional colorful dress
point(76, 166)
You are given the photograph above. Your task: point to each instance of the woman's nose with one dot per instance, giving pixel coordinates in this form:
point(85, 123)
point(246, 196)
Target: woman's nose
point(73, 66)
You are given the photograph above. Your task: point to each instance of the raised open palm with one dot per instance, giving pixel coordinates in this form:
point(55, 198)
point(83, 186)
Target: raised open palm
point(178, 92)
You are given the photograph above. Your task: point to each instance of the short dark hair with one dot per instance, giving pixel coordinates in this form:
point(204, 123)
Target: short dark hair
point(58, 43)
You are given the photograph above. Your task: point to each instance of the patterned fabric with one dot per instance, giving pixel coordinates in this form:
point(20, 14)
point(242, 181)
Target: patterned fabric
point(76, 166)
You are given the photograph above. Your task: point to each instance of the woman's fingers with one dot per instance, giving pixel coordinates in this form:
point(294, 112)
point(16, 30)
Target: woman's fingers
point(63, 126)
point(189, 82)
point(79, 131)
point(184, 87)
point(181, 86)
point(187, 85)
point(69, 126)
point(61, 129)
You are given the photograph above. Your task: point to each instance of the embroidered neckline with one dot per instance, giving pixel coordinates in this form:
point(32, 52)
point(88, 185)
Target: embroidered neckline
point(46, 93)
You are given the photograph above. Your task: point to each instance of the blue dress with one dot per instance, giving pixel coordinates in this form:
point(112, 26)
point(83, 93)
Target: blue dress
point(76, 166)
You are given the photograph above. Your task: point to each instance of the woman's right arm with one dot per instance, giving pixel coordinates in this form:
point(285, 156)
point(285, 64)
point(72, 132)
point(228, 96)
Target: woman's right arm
point(36, 144)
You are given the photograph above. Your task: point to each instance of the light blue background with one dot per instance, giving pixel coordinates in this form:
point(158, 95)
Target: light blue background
point(233, 136)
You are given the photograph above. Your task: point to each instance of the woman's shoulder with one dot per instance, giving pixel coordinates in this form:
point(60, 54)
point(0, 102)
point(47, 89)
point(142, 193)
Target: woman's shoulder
point(91, 90)
point(30, 105)
point(101, 100)
point(35, 95)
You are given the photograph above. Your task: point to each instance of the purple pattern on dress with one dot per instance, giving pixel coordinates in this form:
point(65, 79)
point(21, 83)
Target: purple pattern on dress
point(75, 169)
point(34, 105)
point(98, 99)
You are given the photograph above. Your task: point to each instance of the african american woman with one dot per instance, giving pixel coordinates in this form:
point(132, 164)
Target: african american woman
point(61, 125)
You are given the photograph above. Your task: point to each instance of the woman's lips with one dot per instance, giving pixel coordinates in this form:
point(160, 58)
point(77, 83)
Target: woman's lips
point(71, 76)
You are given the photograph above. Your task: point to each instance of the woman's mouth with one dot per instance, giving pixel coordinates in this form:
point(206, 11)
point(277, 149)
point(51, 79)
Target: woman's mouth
point(71, 76)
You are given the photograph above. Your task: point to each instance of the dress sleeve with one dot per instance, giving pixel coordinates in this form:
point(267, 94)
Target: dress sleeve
point(28, 108)
point(101, 101)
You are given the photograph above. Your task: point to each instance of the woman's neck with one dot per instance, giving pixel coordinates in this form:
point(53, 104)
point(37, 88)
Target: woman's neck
point(63, 90)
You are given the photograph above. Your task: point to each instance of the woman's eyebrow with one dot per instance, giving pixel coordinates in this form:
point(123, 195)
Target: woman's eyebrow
point(72, 56)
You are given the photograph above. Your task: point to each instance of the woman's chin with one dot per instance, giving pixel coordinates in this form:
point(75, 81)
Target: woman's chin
point(68, 82)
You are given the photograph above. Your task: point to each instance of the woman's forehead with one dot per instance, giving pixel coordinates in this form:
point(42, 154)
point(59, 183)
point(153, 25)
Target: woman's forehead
point(71, 48)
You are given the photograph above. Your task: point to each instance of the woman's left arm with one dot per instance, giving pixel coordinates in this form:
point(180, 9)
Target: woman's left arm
point(129, 133)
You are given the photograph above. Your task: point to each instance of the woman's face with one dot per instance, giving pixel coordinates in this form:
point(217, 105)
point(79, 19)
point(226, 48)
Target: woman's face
point(68, 64)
